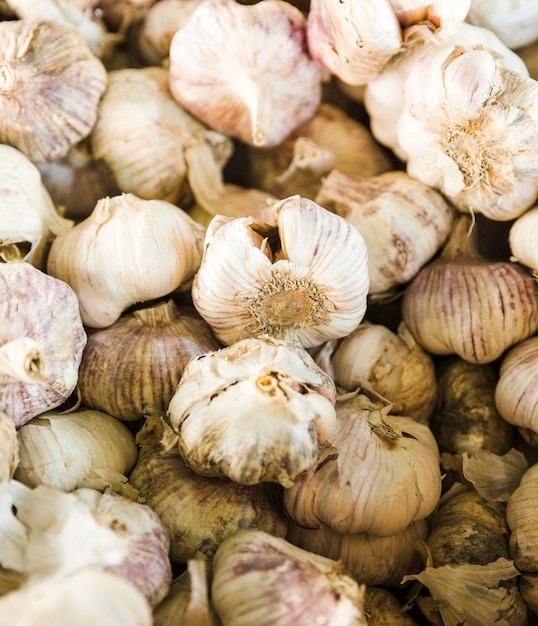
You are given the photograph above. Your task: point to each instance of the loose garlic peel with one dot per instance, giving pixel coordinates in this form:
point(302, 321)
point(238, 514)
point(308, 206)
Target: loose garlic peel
point(283, 410)
point(303, 277)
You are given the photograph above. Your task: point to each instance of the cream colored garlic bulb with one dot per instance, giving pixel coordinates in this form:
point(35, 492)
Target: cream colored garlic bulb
point(62, 450)
point(255, 411)
point(523, 240)
point(87, 597)
point(381, 474)
point(244, 69)
point(302, 277)
point(51, 86)
point(515, 22)
point(29, 219)
point(42, 341)
point(469, 129)
point(265, 580)
point(466, 304)
point(128, 250)
point(403, 222)
point(9, 447)
point(150, 163)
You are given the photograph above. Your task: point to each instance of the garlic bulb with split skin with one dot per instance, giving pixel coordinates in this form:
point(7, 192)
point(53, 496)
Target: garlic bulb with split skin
point(128, 250)
point(244, 69)
point(41, 342)
point(256, 411)
point(305, 277)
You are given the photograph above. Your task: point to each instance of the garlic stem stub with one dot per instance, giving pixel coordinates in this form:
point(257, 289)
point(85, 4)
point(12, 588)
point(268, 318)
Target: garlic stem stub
point(303, 277)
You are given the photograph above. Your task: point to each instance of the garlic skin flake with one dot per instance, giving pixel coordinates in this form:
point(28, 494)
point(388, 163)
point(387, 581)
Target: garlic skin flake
point(244, 69)
point(469, 128)
point(256, 411)
point(308, 286)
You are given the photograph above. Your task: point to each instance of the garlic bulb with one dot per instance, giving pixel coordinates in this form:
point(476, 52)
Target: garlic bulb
point(198, 512)
point(305, 278)
point(86, 597)
point(9, 447)
point(124, 15)
point(147, 348)
point(28, 217)
point(141, 133)
point(42, 341)
point(516, 394)
point(470, 291)
point(469, 129)
point(265, 580)
point(244, 70)
point(370, 559)
point(382, 472)
point(523, 240)
point(61, 450)
point(403, 222)
point(128, 250)
point(255, 411)
point(51, 86)
point(515, 22)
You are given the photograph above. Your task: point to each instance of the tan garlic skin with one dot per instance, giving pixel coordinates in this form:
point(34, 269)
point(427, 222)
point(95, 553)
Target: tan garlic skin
point(465, 304)
point(516, 392)
point(264, 580)
point(370, 559)
point(523, 240)
point(51, 77)
point(403, 222)
point(198, 512)
point(380, 474)
point(41, 343)
point(133, 366)
point(274, 85)
point(62, 450)
point(466, 418)
point(9, 447)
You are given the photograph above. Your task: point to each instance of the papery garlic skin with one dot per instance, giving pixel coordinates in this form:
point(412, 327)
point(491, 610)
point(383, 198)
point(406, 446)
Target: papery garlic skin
point(515, 22)
point(523, 240)
point(256, 86)
point(128, 250)
point(312, 287)
point(469, 129)
point(9, 447)
point(441, 14)
point(256, 411)
point(41, 342)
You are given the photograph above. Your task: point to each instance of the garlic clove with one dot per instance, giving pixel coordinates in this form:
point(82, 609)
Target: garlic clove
point(522, 240)
point(242, 85)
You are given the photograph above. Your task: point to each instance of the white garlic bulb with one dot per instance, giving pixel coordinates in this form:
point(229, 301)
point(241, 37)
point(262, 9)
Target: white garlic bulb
point(515, 22)
point(255, 411)
point(244, 69)
point(469, 128)
point(523, 240)
point(303, 277)
point(128, 250)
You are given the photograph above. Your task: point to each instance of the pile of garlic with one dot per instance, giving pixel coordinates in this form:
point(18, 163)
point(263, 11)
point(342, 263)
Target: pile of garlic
point(269, 312)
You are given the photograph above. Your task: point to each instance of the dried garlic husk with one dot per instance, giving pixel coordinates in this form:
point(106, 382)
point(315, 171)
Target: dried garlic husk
point(305, 277)
point(198, 512)
point(29, 219)
point(141, 133)
point(370, 559)
point(382, 608)
point(87, 597)
point(41, 344)
point(128, 250)
point(255, 411)
point(380, 474)
point(257, 86)
point(265, 580)
point(9, 447)
point(61, 450)
point(466, 418)
point(469, 129)
point(51, 86)
point(391, 363)
point(403, 221)
point(523, 240)
point(515, 22)
point(50, 534)
point(516, 392)
point(465, 304)
point(146, 351)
